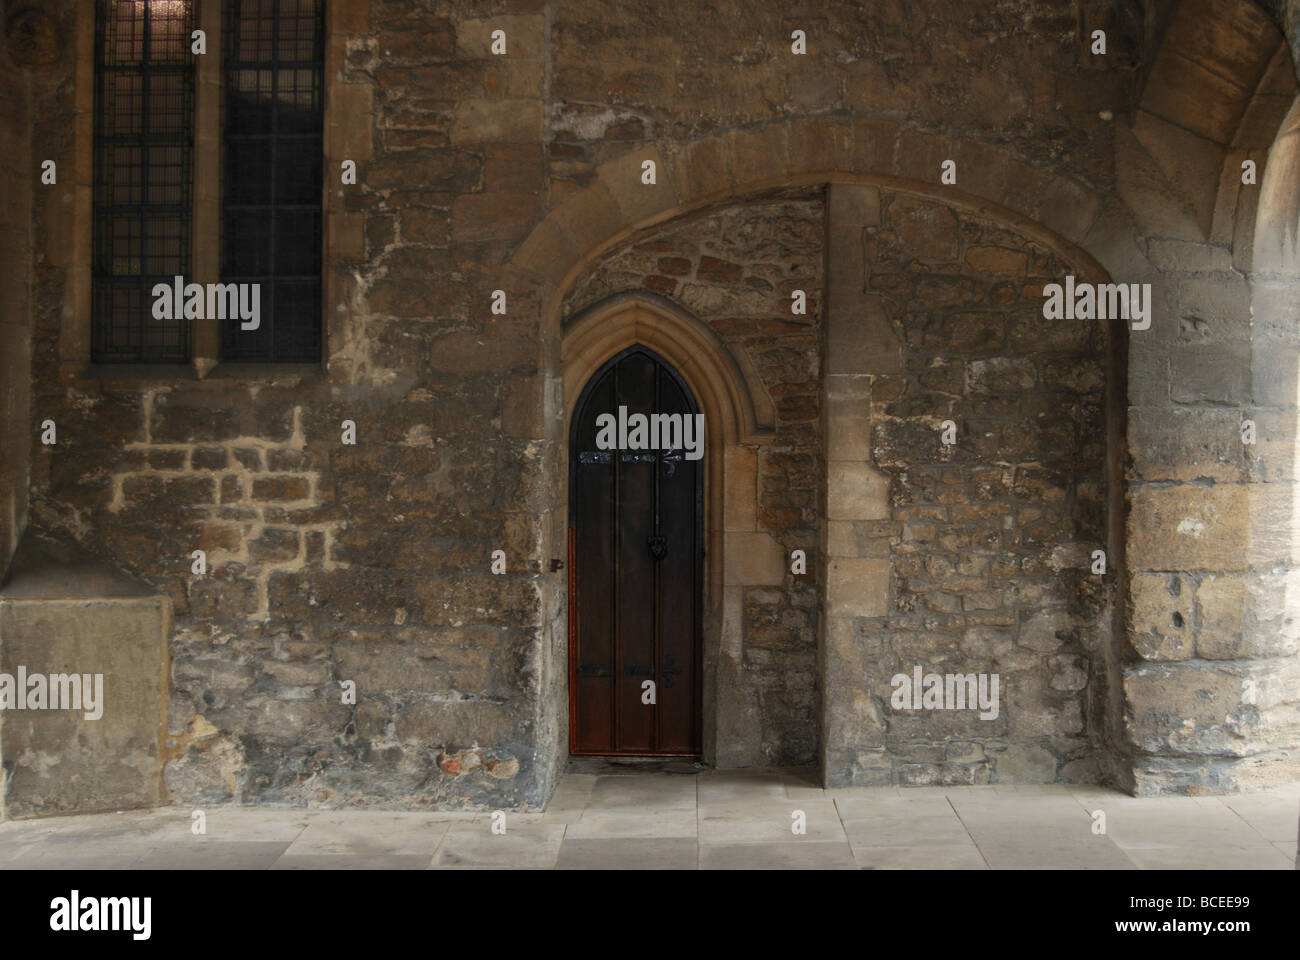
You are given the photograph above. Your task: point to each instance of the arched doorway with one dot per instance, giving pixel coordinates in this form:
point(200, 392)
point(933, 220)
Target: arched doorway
point(739, 417)
point(636, 561)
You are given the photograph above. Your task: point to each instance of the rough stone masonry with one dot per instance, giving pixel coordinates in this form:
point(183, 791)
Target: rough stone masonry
point(823, 171)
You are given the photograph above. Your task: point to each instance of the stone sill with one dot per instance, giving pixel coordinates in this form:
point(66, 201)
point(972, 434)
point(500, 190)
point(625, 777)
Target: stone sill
point(266, 372)
point(150, 372)
point(112, 375)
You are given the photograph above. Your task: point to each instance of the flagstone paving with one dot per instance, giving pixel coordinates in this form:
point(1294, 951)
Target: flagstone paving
point(674, 816)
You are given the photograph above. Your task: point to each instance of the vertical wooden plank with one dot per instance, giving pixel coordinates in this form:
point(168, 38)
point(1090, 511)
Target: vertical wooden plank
point(677, 572)
point(592, 576)
point(634, 618)
point(636, 613)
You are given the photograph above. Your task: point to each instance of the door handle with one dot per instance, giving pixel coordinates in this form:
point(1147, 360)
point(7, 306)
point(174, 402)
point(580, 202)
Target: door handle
point(658, 547)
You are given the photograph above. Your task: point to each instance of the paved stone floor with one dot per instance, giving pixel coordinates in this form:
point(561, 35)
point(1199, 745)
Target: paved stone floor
point(604, 816)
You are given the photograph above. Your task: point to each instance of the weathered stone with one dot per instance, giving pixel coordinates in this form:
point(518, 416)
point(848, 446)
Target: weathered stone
point(1222, 709)
point(1162, 616)
point(281, 488)
point(107, 633)
point(996, 260)
point(523, 173)
point(274, 545)
point(1025, 763)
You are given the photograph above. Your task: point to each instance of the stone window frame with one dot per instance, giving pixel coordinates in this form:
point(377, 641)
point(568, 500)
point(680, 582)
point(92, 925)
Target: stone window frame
point(346, 135)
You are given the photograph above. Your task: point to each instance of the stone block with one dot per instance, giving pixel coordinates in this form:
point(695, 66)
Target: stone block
point(820, 143)
point(1195, 97)
point(425, 664)
point(1069, 208)
point(1203, 528)
point(277, 488)
point(861, 337)
point(638, 201)
point(699, 169)
point(493, 216)
point(1210, 372)
point(857, 587)
point(1001, 260)
point(1185, 158)
point(1248, 616)
point(1275, 311)
point(547, 253)
point(1158, 208)
point(274, 546)
point(1186, 444)
point(921, 156)
point(982, 170)
point(848, 426)
point(740, 498)
point(853, 205)
point(1024, 763)
point(521, 408)
point(753, 559)
point(497, 121)
point(1205, 708)
point(63, 615)
point(1174, 256)
point(874, 145)
point(351, 140)
point(759, 155)
point(1275, 376)
point(856, 491)
point(1211, 308)
point(589, 218)
point(927, 231)
point(525, 38)
point(354, 18)
point(1161, 615)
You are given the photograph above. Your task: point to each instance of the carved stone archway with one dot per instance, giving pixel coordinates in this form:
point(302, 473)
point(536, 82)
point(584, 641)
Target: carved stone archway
point(738, 418)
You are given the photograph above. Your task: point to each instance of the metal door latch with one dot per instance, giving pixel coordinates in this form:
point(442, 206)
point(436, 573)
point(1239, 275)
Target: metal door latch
point(658, 547)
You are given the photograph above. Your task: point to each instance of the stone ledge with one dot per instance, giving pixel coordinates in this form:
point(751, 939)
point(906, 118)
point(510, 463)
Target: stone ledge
point(64, 613)
point(47, 568)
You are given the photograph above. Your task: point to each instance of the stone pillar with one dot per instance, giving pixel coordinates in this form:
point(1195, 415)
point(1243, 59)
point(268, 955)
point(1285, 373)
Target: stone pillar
point(751, 558)
point(860, 344)
point(1212, 696)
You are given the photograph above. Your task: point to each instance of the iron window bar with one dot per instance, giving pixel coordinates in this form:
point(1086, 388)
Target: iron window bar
point(143, 176)
point(272, 230)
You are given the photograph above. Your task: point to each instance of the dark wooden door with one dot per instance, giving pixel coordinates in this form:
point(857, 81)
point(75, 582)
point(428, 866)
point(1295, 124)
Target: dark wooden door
point(635, 566)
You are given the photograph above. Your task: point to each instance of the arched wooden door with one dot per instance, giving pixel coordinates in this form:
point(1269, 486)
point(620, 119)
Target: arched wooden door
point(635, 571)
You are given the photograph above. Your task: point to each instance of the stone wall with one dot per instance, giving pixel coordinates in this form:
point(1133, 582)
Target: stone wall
point(327, 561)
point(980, 560)
point(370, 562)
point(16, 174)
point(1211, 680)
point(736, 269)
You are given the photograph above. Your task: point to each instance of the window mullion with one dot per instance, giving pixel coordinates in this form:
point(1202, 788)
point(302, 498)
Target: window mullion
point(206, 236)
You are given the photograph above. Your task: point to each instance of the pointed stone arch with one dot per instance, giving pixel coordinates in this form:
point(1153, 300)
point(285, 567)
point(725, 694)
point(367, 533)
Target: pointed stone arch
point(1063, 213)
point(741, 405)
point(739, 417)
